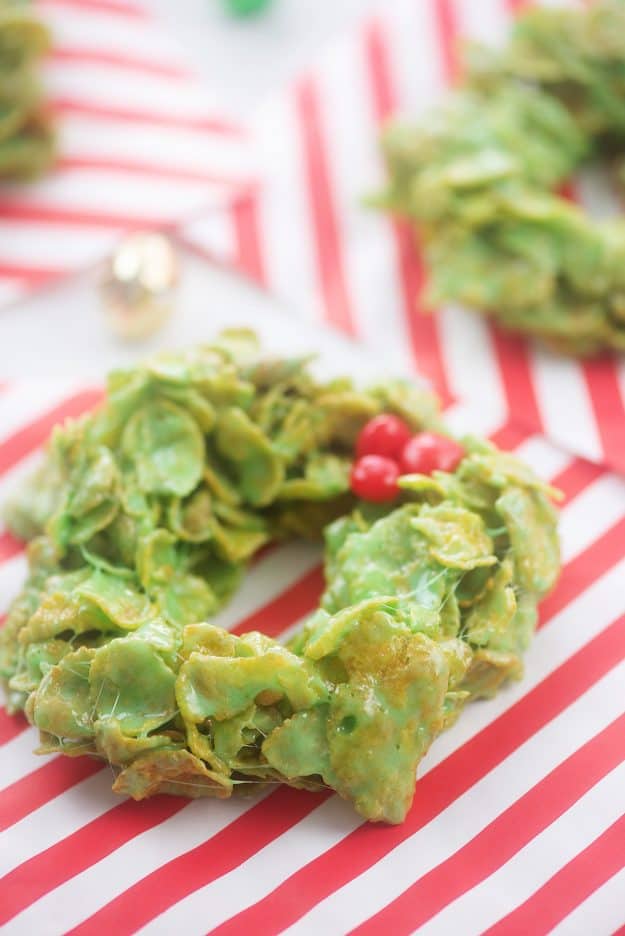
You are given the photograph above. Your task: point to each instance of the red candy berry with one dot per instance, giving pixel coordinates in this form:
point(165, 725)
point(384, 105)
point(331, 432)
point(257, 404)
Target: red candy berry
point(385, 434)
point(374, 478)
point(428, 452)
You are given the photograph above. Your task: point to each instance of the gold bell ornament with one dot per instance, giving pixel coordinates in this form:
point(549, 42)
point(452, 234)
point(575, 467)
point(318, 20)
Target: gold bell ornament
point(139, 283)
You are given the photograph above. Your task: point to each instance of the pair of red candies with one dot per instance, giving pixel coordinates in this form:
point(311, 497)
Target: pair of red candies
point(387, 448)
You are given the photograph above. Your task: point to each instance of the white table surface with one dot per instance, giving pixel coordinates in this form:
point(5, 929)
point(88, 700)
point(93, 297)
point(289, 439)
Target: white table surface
point(61, 331)
point(245, 59)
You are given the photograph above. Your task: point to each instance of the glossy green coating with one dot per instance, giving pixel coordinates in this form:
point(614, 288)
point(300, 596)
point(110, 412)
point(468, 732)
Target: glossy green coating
point(480, 177)
point(141, 521)
point(26, 138)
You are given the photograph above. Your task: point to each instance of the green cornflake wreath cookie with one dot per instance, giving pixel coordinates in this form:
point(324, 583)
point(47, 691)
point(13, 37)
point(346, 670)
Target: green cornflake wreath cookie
point(141, 521)
point(479, 178)
point(26, 138)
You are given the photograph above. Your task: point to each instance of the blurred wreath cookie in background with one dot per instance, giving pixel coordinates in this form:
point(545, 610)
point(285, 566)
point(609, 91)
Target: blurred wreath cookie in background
point(481, 178)
point(26, 135)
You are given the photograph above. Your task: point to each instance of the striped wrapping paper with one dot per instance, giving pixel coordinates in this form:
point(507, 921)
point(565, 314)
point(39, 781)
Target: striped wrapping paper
point(518, 824)
point(142, 143)
point(306, 236)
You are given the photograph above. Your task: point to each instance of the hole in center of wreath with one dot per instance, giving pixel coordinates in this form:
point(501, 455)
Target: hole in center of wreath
point(600, 187)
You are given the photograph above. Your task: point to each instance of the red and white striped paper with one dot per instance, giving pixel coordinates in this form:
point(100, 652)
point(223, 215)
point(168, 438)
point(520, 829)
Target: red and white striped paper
point(306, 235)
point(142, 143)
point(518, 824)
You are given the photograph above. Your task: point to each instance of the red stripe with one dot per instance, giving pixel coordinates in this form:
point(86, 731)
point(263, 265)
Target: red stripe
point(517, 6)
point(504, 837)
point(43, 784)
point(422, 328)
point(445, 20)
point(9, 546)
point(86, 217)
point(290, 606)
point(510, 436)
point(601, 376)
point(30, 437)
point(118, 7)
point(569, 887)
point(582, 571)
point(222, 853)
point(99, 838)
point(576, 477)
point(513, 358)
point(437, 790)
point(245, 222)
point(84, 56)
point(35, 276)
point(11, 725)
point(207, 124)
point(139, 167)
point(323, 213)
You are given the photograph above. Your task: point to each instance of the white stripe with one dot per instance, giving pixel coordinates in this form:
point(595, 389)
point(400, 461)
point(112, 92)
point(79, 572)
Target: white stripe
point(283, 208)
point(606, 904)
point(30, 244)
point(415, 56)
point(366, 236)
point(213, 233)
point(287, 634)
point(24, 401)
point(467, 418)
point(12, 289)
point(467, 816)
point(565, 405)
point(11, 481)
point(591, 514)
point(485, 22)
point(541, 455)
point(513, 883)
point(96, 190)
point(12, 575)
point(471, 364)
point(81, 896)
point(18, 759)
point(595, 193)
